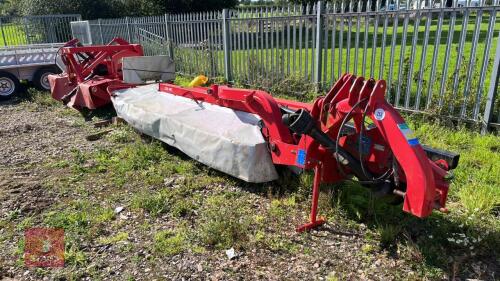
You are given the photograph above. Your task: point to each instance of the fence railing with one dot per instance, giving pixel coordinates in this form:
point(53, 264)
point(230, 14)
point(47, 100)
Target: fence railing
point(436, 59)
point(28, 30)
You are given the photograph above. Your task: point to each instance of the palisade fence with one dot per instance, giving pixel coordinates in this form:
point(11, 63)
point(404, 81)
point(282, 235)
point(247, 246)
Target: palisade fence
point(436, 59)
point(15, 31)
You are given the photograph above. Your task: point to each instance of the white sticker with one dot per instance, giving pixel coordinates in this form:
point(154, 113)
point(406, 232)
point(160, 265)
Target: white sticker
point(379, 114)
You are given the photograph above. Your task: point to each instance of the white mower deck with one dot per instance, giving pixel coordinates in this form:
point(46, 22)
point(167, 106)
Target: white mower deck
point(224, 139)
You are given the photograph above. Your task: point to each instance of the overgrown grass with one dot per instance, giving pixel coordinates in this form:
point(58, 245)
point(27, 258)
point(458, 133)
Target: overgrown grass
point(224, 227)
point(476, 183)
point(36, 99)
point(136, 160)
point(79, 217)
point(169, 243)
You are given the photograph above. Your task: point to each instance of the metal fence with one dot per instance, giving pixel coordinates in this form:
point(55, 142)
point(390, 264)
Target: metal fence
point(35, 29)
point(436, 59)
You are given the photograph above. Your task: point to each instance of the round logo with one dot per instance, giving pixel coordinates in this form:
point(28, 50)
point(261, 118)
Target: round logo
point(379, 114)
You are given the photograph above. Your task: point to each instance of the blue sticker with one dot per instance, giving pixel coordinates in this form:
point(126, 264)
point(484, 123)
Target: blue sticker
point(413, 142)
point(408, 133)
point(301, 157)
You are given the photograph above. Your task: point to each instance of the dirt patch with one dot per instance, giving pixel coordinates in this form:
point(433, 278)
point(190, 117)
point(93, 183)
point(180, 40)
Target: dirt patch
point(30, 139)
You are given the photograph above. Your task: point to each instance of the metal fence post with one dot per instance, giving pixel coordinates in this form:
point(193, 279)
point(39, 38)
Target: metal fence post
point(25, 23)
point(226, 36)
point(319, 44)
point(127, 22)
point(100, 31)
point(168, 34)
point(492, 92)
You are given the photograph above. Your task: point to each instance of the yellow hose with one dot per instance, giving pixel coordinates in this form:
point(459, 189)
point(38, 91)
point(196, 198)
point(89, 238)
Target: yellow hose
point(198, 81)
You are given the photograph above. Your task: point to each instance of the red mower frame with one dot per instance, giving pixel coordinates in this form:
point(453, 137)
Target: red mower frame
point(89, 71)
point(312, 146)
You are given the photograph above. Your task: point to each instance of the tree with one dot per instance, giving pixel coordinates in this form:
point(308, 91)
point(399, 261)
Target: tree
point(9, 7)
point(152, 7)
point(89, 9)
point(303, 2)
point(93, 9)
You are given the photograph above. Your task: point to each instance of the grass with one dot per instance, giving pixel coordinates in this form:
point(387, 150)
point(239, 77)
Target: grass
point(155, 204)
point(223, 228)
point(32, 31)
point(37, 100)
point(476, 182)
point(180, 207)
point(169, 243)
point(120, 236)
point(13, 35)
point(79, 217)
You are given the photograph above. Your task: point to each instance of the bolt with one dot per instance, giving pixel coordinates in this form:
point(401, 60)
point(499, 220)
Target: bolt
point(272, 146)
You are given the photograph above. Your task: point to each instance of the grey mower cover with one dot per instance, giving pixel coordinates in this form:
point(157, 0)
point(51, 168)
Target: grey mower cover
point(224, 139)
point(139, 70)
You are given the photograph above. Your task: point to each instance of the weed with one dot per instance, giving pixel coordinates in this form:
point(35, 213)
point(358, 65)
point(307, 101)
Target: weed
point(58, 164)
point(483, 201)
point(295, 87)
point(120, 236)
point(260, 236)
point(388, 234)
point(133, 162)
point(183, 207)
point(123, 134)
point(153, 203)
point(224, 222)
point(367, 248)
point(13, 214)
point(78, 217)
point(74, 256)
point(280, 211)
point(140, 157)
point(69, 220)
point(170, 243)
point(352, 198)
point(26, 223)
point(79, 160)
point(38, 99)
point(332, 278)
point(19, 251)
point(276, 242)
point(281, 208)
point(182, 80)
point(271, 228)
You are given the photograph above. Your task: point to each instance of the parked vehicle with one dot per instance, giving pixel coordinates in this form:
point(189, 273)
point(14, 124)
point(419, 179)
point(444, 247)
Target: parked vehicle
point(392, 7)
point(468, 3)
point(419, 5)
point(32, 63)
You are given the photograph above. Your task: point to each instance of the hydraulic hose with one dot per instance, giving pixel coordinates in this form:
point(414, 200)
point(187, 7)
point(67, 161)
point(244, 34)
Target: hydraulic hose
point(301, 122)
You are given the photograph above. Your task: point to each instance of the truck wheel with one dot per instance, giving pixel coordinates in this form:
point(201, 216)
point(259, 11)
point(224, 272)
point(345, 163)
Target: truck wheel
point(9, 85)
point(41, 77)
